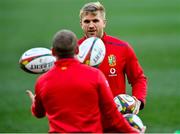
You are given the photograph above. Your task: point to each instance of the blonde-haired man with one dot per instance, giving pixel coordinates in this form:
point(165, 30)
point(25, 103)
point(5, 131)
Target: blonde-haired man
point(120, 59)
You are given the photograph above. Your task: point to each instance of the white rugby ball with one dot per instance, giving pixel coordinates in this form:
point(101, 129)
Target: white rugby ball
point(37, 60)
point(91, 51)
point(125, 103)
point(134, 121)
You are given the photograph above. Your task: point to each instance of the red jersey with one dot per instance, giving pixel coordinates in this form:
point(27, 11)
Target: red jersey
point(77, 98)
point(120, 61)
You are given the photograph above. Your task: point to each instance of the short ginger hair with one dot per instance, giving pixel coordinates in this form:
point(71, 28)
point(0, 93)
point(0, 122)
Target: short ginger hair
point(64, 43)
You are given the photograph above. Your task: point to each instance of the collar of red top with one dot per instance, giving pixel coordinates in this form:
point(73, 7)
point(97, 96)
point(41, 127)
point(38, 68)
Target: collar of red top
point(66, 62)
point(103, 37)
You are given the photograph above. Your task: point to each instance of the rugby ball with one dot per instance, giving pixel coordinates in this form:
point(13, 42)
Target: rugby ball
point(91, 51)
point(125, 103)
point(134, 121)
point(37, 60)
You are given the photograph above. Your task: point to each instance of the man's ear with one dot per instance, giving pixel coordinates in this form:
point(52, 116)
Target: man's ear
point(81, 23)
point(76, 50)
point(105, 22)
point(53, 52)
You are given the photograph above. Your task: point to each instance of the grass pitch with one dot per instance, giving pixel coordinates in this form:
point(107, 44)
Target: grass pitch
point(151, 27)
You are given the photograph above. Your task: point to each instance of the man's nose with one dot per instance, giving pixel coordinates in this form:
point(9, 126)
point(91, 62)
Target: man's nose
point(91, 24)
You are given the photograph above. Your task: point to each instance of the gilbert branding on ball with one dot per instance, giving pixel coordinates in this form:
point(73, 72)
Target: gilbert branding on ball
point(37, 60)
point(92, 51)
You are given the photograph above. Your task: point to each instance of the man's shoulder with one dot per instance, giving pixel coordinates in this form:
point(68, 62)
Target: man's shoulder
point(86, 68)
point(108, 39)
point(112, 40)
point(44, 76)
point(81, 40)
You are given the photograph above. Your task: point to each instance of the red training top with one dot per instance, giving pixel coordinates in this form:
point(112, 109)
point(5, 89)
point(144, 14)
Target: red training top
point(119, 60)
point(77, 98)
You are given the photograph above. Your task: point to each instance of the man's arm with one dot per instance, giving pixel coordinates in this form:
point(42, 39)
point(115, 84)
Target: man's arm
point(136, 77)
point(37, 108)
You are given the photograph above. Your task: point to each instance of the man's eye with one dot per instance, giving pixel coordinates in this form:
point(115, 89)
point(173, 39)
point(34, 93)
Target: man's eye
point(86, 21)
point(95, 21)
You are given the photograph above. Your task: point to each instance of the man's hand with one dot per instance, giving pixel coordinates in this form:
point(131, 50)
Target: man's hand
point(31, 95)
point(137, 105)
point(142, 131)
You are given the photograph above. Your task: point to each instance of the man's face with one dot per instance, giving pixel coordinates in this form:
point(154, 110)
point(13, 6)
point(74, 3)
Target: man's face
point(93, 25)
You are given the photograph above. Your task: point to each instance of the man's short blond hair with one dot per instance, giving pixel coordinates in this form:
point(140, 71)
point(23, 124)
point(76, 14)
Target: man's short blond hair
point(93, 8)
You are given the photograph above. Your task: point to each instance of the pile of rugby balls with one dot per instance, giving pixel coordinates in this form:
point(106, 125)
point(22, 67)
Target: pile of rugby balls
point(126, 105)
point(91, 51)
point(37, 60)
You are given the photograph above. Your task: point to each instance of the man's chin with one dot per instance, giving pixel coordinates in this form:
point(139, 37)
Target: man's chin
point(91, 35)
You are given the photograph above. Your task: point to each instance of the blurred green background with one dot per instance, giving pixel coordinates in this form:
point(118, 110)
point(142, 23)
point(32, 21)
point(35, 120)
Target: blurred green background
point(152, 27)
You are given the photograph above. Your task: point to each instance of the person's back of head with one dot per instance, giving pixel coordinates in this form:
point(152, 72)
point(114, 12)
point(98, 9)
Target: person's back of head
point(64, 44)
